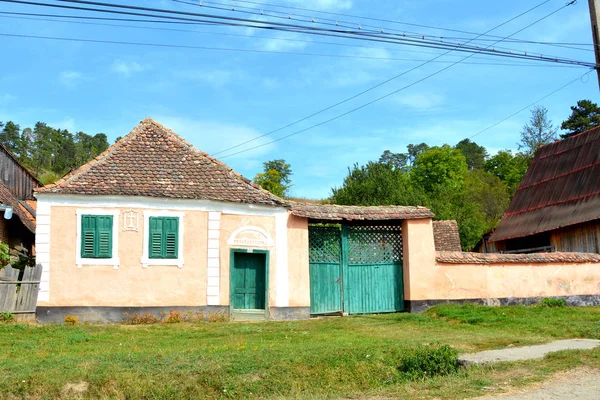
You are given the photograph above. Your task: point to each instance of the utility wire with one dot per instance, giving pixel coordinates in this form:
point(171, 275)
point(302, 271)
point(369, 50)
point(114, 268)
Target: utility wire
point(393, 22)
point(177, 46)
point(310, 30)
point(376, 86)
point(532, 104)
point(41, 17)
point(337, 22)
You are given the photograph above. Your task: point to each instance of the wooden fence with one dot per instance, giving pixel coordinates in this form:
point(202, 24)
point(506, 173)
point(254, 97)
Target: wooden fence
point(19, 296)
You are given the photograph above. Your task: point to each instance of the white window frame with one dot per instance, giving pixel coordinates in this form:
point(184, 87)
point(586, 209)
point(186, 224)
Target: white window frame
point(146, 260)
point(114, 260)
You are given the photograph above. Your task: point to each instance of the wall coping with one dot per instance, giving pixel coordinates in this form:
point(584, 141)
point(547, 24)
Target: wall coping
point(457, 257)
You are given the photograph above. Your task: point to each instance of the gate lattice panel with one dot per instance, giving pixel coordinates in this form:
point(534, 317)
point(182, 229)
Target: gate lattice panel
point(374, 244)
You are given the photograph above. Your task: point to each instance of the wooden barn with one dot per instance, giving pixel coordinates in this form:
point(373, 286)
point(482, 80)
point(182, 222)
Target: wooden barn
point(17, 204)
point(557, 206)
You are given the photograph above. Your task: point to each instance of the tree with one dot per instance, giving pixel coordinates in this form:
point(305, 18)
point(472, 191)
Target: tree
point(475, 154)
point(10, 136)
point(538, 132)
point(377, 184)
point(395, 160)
point(414, 150)
point(509, 168)
point(585, 115)
point(439, 166)
point(275, 177)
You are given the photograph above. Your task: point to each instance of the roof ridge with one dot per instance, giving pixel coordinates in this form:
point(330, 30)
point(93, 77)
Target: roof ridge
point(213, 159)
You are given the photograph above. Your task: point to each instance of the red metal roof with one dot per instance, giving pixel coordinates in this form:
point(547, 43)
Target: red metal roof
point(561, 188)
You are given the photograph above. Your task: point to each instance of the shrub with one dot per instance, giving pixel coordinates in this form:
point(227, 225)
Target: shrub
point(71, 320)
point(219, 316)
point(552, 302)
point(194, 316)
point(429, 361)
point(140, 319)
point(6, 316)
point(174, 317)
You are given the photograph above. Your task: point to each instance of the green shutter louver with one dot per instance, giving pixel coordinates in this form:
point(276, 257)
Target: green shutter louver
point(96, 236)
point(164, 237)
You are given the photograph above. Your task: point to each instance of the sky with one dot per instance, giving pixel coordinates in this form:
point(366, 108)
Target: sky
point(217, 99)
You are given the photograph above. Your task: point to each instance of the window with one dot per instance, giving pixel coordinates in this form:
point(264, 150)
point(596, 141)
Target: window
point(96, 236)
point(97, 240)
point(164, 237)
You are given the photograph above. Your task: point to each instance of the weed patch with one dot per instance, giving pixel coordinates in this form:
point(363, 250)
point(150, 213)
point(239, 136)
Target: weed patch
point(429, 361)
point(552, 302)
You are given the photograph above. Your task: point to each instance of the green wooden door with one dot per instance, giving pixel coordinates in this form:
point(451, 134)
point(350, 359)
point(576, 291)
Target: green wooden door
point(355, 269)
point(249, 281)
point(325, 269)
point(373, 278)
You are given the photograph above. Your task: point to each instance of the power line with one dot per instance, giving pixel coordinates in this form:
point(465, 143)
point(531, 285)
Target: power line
point(39, 17)
point(532, 104)
point(395, 22)
point(310, 30)
point(337, 22)
point(120, 42)
point(376, 86)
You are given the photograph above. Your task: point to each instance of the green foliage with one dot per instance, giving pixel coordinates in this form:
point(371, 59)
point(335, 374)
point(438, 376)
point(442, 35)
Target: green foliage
point(429, 361)
point(474, 153)
point(509, 168)
point(538, 132)
point(377, 184)
point(552, 302)
point(397, 161)
point(50, 152)
point(439, 167)
point(275, 177)
point(6, 317)
point(4, 255)
point(585, 115)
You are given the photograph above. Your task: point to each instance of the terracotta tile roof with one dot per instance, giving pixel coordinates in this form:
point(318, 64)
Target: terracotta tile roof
point(8, 199)
point(154, 161)
point(453, 257)
point(561, 188)
point(445, 236)
point(329, 212)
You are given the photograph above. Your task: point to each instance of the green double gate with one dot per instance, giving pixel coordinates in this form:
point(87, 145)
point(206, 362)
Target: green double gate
point(355, 269)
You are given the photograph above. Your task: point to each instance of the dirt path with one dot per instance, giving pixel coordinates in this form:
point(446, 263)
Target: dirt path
point(578, 384)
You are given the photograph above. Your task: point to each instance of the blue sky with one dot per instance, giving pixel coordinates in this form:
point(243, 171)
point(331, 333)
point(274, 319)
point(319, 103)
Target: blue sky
point(217, 99)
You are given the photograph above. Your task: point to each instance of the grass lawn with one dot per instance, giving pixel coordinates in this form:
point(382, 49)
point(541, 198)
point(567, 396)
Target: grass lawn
point(351, 357)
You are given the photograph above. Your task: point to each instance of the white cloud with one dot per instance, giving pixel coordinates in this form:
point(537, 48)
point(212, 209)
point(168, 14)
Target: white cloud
point(323, 4)
point(420, 101)
point(71, 78)
point(212, 137)
point(285, 42)
point(213, 77)
point(67, 123)
point(126, 68)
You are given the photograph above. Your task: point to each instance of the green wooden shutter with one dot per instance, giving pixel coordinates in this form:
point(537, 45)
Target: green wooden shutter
point(104, 235)
point(156, 238)
point(171, 232)
point(96, 236)
point(164, 237)
point(88, 236)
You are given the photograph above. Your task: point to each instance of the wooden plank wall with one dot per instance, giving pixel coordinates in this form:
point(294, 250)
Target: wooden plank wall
point(581, 238)
point(19, 296)
point(18, 180)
